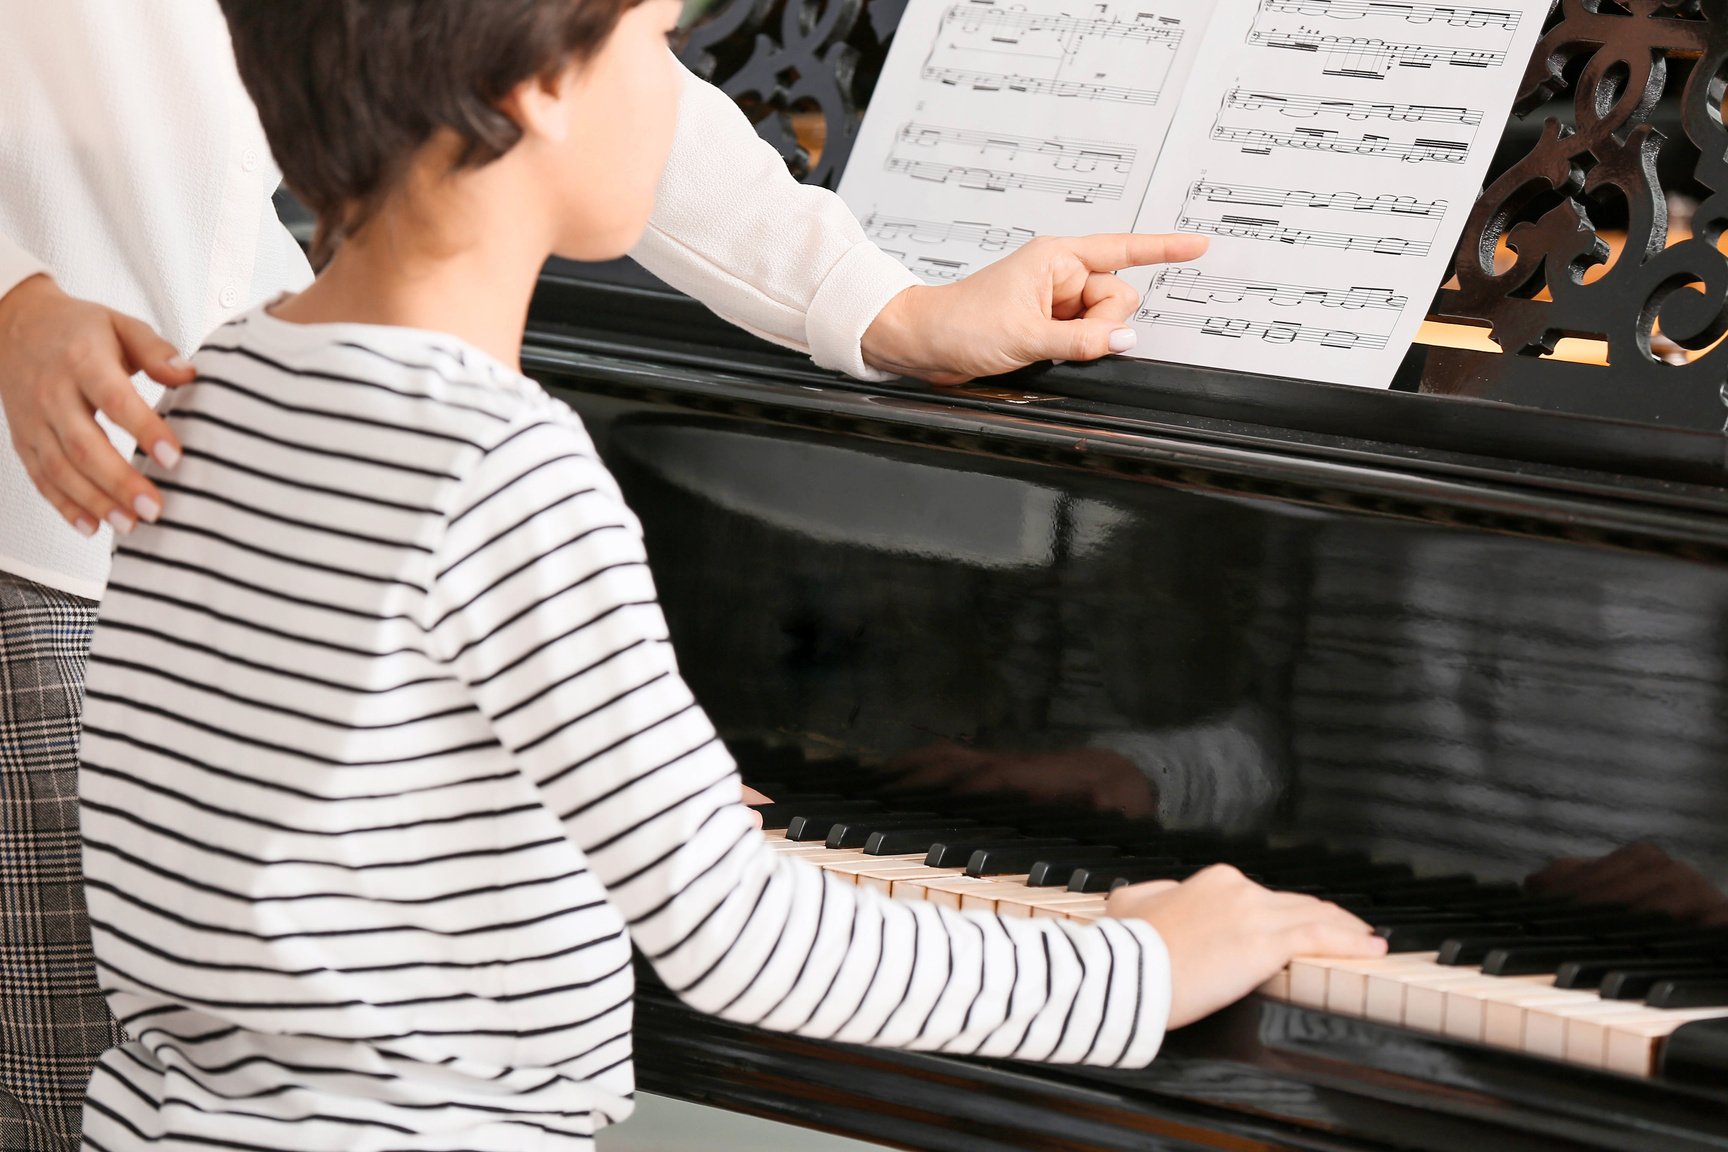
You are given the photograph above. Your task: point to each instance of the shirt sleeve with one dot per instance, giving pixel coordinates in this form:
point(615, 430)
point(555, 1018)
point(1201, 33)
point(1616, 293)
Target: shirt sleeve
point(543, 605)
point(16, 266)
point(786, 261)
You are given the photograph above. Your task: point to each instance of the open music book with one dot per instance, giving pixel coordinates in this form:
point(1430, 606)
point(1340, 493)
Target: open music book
point(1331, 149)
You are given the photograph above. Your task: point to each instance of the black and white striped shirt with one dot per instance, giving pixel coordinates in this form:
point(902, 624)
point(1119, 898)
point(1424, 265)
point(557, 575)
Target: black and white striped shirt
point(387, 764)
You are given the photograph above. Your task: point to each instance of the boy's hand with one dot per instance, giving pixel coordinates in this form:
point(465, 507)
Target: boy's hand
point(1227, 935)
point(62, 360)
point(1053, 299)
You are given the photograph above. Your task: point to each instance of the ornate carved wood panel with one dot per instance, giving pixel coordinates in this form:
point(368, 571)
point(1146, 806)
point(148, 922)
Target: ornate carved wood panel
point(804, 69)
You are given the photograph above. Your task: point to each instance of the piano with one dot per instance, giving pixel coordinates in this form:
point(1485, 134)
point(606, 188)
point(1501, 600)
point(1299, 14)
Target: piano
point(1455, 655)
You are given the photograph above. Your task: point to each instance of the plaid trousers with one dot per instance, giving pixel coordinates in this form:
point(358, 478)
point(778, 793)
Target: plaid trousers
point(53, 1021)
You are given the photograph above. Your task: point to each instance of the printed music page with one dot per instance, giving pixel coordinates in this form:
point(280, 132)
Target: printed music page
point(998, 121)
point(1332, 151)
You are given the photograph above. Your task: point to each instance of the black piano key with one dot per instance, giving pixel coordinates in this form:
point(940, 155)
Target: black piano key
point(1690, 993)
point(1697, 1053)
point(1640, 983)
point(856, 833)
point(1054, 871)
point(808, 825)
point(1586, 974)
point(1428, 937)
point(1471, 950)
point(905, 841)
point(1536, 959)
point(1005, 858)
point(1108, 876)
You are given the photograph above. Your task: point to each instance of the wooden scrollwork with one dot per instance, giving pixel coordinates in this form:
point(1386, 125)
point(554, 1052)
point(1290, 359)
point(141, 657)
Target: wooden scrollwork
point(1664, 292)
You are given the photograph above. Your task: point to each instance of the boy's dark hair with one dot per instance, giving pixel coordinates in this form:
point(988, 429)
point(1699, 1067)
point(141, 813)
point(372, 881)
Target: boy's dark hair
point(349, 90)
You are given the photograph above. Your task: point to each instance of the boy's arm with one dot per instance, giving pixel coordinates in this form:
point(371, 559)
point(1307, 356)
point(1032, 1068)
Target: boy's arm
point(544, 605)
point(778, 258)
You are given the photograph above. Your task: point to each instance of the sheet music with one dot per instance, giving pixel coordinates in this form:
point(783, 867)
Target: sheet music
point(999, 120)
point(1331, 149)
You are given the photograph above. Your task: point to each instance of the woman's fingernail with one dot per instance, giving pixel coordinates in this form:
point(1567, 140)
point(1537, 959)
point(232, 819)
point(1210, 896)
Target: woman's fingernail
point(1123, 340)
point(120, 522)
point(165, 454)
point(86, 527)
point(148, 510)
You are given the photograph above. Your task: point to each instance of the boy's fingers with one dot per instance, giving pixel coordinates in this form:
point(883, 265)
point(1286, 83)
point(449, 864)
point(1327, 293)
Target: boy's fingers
point(1114, 251)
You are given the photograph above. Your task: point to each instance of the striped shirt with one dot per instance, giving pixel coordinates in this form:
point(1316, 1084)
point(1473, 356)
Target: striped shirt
point(388, 764)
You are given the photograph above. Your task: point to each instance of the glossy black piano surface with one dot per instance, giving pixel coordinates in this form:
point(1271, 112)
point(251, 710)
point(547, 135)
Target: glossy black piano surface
point(1318, 620)
point(1465, 637)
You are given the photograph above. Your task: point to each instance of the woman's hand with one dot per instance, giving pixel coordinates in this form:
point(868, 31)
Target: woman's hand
point(1053, 299)
point(61, 361)
point(1227, 935)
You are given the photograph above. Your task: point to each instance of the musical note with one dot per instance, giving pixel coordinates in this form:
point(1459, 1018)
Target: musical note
point(989, 237)
point(1071, 155)
point(1249, 228)
point(1260, 142)
point(983, 15)
point(1249, 100)
point(1039, 85)
point(1455, 15)
point(1196, 287)
point(1381, 204)
point(1273, 332)
point(1365, 58)
point(996, 180)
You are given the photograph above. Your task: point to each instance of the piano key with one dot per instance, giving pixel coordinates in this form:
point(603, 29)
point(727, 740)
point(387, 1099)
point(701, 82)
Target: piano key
point(857, 833)
point(1472, 950)
point(1056, 871)
point(807, 826)
point(1504, 1010)
point(990, 899)
point(1347, 982)
point(1697, 1052)
point(1026, 901)
point(1278, 987)
point(898, 841)
point(1546, 1026)
point(1690, 993)
point(1000, 859)
point(1311, 977)
point(1103, 878)
point(1629, 983)
point(1636, 1044)
point(1384, 1000)
point(1529, 960)
point(854, 870)
point(1417, 937)
point(1465, 1014)
point(900, 881)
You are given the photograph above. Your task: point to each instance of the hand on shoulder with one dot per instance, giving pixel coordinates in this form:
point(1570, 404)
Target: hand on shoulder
point(62, 360)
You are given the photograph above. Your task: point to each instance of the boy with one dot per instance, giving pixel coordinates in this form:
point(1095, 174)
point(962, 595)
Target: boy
point(430, 771)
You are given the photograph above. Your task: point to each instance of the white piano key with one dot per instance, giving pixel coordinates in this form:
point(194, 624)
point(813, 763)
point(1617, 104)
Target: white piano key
point(1504, 1013)
point(1632, 1043)
point(1347, 981)
point(1386, 990)
point(1545, 1025)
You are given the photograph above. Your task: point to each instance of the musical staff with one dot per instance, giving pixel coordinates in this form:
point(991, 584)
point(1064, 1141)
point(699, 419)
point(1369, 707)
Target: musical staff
point(1195, 287)
point(1004, 24)
point(1272, 332)
point(1249, 100)
point(989, 237)
point(1261, 142)
point(1274, 231)
point(1454, 15)
point(1362, 57)
point(980, 81)
point(1383, 204)
point(1072, 155)
point(996, 180)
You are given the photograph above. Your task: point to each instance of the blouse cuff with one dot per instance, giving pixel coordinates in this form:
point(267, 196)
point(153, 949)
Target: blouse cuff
point(857, 288)
point(16, 266)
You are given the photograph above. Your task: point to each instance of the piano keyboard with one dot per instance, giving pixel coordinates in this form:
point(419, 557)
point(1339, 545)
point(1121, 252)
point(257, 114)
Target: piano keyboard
point(1488, 964)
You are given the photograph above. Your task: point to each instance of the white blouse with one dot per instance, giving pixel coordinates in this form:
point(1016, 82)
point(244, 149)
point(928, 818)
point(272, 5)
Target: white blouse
point(133, 169)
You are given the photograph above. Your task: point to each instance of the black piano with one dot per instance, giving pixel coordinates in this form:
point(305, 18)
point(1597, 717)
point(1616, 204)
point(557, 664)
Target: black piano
point(1455, 654)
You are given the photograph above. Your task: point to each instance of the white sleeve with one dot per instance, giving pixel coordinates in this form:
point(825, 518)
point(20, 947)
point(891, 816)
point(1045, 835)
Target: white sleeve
point(544, 606)
point(781, 259)
point(16, 266)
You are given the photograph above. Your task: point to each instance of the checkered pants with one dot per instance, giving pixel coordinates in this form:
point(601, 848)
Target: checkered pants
point(53, 1021)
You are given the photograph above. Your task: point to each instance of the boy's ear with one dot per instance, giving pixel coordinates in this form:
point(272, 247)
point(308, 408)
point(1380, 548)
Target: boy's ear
point(540, 106)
